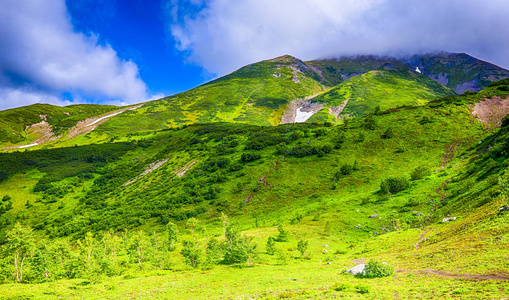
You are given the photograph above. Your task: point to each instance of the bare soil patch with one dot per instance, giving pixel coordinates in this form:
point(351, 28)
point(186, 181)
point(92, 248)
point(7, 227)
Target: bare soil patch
point(491, 111)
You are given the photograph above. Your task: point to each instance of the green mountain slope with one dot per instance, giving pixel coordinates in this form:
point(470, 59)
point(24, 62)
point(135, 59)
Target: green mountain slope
point(388, 87)
point(255, 94)
point(29, 123)
point(458, 71)
point(100, 212)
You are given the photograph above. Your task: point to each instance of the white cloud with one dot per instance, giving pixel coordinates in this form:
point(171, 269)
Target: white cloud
point(14, 97)
point(223, 35)
point(40, 48)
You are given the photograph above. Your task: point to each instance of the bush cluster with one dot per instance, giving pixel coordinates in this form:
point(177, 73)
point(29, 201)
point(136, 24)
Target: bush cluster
point(376, 269)
point(394, 184)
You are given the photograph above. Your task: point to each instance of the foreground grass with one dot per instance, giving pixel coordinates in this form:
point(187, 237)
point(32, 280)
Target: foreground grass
point(301, 279)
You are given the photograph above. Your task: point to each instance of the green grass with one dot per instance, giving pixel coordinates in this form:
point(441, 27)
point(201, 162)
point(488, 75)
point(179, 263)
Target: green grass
point(383, 88)
point(89, 214)
point(13, 122)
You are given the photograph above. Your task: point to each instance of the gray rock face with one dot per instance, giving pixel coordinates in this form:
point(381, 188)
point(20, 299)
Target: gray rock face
point(358, 269)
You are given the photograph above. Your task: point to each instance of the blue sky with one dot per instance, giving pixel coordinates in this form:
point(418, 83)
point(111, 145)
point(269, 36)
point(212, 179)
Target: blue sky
point(136, 30)
point(122, 52)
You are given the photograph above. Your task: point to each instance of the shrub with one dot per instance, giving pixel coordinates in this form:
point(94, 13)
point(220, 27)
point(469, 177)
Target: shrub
point(376, 269)
point(419, 173)
point(346, 169)
point(249, 157)
point(238, 248)
point(394, 184)
point(191, 253)
point(283, 235)
point(389, 133)
point(302, 246)
point(271, 246)
point(362, 289)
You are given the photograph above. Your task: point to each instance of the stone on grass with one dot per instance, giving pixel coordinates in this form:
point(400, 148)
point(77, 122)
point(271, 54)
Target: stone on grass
point(445, 220)
point(358, 269)
point(373, 216)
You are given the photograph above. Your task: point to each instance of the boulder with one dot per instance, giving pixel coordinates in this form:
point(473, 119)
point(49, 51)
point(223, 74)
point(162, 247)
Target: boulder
point(445, 220)
point(373, 216)
point(358, 269)
point(419, 214)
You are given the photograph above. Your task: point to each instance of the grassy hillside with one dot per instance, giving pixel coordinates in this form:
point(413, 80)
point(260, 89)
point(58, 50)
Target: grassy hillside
point(15, 124)
point(344, 68)
point(255, 94)
point(100, 212)
point(458, 71)
point(389, 87)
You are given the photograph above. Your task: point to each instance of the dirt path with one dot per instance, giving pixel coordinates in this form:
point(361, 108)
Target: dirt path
point(262, 180)
point(87, 125)
point(464, 276)
point(449, 154)
point(421, 238)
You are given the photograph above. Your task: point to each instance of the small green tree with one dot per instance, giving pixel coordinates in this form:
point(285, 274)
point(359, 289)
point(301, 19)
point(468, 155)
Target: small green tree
point(192, 224)
point(224, 220)
point(302, 246)
point(21, 243)
point(173, 235)
point(270, 246)
point(283, 235)
point(281, 256)
point(213, 253)
point(192, 254)
point(238, 248)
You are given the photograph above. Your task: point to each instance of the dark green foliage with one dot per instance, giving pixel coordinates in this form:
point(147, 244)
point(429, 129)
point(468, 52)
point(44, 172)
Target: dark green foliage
point(388, 134)
point(419, 173)
point(302, 246)
point(282, 235)
point(239, 249)
point(191, 253)
point(370, 122)
point(249, 157)
point(376, 269)
point(260, 141)
point(425, 120)
point(270, 246)
point(347, 169)
point(394, 184)
point(505, 123)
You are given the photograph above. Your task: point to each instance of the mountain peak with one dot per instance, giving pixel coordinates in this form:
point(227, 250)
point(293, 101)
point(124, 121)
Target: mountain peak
point(284, 59)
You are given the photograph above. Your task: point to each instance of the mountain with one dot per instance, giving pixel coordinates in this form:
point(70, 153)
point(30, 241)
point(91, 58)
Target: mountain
point(388, 87)
point(458, 71)
point(411, 186)
point(206, 195)
point(281, 90)
point(43, 121)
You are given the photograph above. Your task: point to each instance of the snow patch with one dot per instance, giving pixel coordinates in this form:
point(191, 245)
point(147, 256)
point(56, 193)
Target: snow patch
point(105, 117)
point(418, 70)
point(302, 116)
point(30, 145)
